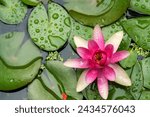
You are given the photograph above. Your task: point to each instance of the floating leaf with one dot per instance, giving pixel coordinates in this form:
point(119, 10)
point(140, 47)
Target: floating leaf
point(117, 92)
point(11, 79)
point(92, 12)
point(146, 72)
point(137, 81)
point(36, 91)
point(31, 2)
point(145, 95)
point(130, 61)
point(139, 30)
point(16, 53)
point(49, 31)
point(19, 61)
point(141, 6)
point(58, 80)
point(12, 11)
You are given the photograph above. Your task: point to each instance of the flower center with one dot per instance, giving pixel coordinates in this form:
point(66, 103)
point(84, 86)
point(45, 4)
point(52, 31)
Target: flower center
point(99, 57)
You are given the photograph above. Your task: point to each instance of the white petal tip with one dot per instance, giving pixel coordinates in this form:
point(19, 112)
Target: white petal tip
point(120, 33)
point(124, 82)
point(78, 89)
point(105, 97)
point(80, 42)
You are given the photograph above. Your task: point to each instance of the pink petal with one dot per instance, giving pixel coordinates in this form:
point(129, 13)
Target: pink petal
point(84, 53)
point(91, 75)
point(109, 73)
point(121, 76)
point(80, 42)
point(98, 37)
point(120, 55)
point(109, 50)
point(82, 83)
point(115, 40)
point(77, 63)
point(102, 84)
point(92, 46)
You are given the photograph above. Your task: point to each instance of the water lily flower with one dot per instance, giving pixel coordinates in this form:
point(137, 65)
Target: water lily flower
point(99, 61)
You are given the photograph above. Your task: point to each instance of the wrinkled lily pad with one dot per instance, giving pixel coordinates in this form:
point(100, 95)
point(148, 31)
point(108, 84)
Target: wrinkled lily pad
point(130, 61)
point(12, 11)
point(49, 31)
point(146, 72)
point(19, 61)
point(14, 52)
point(141, 6)
point(92, 12)
point(79, 30)
point(56, 80)
point(108, 31)
point(139, 30)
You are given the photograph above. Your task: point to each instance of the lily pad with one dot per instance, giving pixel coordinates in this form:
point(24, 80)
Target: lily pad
point(36, 91)
point(117, 92)
point(12, 11)
point(19, 61)
point(92, 12)
point(49, 31)
point(16, 53)
point(57, 80)
point(141, 6)
point(139, 30)
point(31, 2)
point(11, 79)
point(146, 70)
point(145, 95)
point(79, 30)
point(109, 30)
point(137, 81)
point(130, 61)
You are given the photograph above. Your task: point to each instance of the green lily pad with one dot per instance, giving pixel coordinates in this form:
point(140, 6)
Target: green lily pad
point(139, 30)
point(109, 30)
point(141, 6)
point(130, 61)
point(137, 81)
point(31, 2)
point(11, 79)
point(117, 92)
point(92, 12)
point(19, 61)
point(12, 11)
point(145, 95)
point(79, 30)
point(49, 31)
point(15, 53)
point(57, 80)
point(146, 70)
point(36, 91)
point(91, 92)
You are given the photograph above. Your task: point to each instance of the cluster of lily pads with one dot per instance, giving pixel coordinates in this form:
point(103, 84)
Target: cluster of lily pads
point(52, 26)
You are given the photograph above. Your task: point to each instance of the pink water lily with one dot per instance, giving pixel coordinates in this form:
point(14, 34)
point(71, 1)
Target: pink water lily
point(99, 61)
